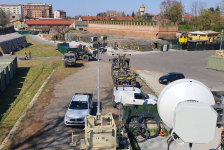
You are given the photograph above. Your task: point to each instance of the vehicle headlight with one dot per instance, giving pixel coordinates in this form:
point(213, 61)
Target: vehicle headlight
point(164, 79)
point(66, 117)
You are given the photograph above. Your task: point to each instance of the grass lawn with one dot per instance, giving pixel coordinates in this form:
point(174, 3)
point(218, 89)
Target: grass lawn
point(30, 76)
point(23, 87)
point(21, 90)
point(38, 49)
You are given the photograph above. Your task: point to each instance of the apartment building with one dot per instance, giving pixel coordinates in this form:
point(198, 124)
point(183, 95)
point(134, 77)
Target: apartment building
point(59, 14)
point(14, 11)
point(37, 10)
point(111, 13)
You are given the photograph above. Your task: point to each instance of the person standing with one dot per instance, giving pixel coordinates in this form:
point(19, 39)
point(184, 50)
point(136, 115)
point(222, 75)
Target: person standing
point(29, 54)
point(25, 55)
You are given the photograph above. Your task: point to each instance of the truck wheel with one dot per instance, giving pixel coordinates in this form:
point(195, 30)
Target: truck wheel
point(65, 65)
point(85, 58)
point(118, 106)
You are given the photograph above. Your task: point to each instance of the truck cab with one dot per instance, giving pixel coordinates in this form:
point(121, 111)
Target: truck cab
point(69, 59)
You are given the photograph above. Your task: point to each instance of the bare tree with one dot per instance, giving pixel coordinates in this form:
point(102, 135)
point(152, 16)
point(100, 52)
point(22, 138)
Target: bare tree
point(222, 6)
point(4, 18)
point(196, 7)
point(61, 31)
point(44, 28)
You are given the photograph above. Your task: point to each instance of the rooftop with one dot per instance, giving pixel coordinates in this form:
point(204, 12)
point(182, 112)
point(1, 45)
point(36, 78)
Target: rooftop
point(204, 32)
point(123, 18)
point(9, 5)
point(49, 22)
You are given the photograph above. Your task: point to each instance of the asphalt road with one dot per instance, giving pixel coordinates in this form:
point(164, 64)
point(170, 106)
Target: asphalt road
point(191, 64)
point(39, 39)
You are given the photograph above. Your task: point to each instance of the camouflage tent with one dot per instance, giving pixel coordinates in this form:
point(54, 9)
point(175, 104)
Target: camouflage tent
point(2, 80)
point(12, 42)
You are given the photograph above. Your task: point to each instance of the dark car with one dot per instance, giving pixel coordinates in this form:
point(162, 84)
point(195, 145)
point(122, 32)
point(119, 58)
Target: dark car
point(170, 77)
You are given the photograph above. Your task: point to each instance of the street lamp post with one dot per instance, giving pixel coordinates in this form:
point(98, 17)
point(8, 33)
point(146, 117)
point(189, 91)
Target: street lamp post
point(221, 40)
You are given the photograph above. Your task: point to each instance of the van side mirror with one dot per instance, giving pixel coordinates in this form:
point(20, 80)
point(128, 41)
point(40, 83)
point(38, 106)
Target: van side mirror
point(66, 106)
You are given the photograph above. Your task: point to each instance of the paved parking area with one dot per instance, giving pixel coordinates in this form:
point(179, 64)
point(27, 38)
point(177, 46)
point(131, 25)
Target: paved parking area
point(159, 143)
point(191, 64)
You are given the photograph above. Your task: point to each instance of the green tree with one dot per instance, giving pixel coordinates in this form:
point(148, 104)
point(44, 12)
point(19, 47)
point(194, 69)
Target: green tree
point(4, 19)
point(208, 19)
point(212, 9)
point(217, 8)
point(133, 14)
point(172, 10)
point(123, 14)
point(27, 17)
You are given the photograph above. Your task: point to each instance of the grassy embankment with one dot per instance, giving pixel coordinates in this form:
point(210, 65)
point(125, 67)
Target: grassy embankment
point(38, 49)
point(30, 76)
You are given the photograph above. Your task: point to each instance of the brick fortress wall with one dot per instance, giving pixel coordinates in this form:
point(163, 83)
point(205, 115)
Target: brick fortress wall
point(133, 29)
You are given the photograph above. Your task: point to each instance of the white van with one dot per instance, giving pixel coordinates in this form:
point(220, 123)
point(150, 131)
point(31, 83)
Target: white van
point(131, 96)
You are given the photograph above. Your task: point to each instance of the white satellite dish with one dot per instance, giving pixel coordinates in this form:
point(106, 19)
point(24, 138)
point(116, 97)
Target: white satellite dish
point(179, 91)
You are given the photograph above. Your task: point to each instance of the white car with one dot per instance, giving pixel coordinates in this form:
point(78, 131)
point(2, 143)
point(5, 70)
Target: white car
point(131, 96)
point(79, 106)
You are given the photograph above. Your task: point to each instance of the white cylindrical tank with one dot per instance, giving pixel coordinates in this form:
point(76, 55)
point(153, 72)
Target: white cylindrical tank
point(179, 91)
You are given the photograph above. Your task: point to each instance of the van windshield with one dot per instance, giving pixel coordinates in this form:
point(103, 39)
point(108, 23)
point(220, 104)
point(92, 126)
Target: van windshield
point(145, 95)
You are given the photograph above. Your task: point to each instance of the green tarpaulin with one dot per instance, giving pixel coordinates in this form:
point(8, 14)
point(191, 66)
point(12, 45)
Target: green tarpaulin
point(215, 63)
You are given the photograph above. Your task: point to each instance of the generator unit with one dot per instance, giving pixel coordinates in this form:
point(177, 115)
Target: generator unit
point(100, 133)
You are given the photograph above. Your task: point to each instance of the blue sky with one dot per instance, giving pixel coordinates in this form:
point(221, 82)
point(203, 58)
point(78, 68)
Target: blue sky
point(92, 7)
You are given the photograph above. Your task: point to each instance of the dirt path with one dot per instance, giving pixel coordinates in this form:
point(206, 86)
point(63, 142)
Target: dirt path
point(44, 126)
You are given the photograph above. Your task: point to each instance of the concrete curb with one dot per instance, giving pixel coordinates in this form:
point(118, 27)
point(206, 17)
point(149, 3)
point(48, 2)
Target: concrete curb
point(16, 126)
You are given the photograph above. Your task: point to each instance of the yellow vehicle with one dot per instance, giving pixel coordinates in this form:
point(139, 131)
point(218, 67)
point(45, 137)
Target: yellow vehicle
point(182, 39)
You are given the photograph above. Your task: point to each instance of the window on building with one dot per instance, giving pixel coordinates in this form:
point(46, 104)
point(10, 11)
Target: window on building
point(13, 17)
point(202, 35)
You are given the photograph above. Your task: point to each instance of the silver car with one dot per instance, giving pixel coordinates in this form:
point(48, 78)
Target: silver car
point(78, 107)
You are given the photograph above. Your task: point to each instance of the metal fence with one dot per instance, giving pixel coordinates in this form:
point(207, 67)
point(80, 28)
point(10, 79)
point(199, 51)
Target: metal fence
point(6, 30)
point(144, 109)
point(193, 46)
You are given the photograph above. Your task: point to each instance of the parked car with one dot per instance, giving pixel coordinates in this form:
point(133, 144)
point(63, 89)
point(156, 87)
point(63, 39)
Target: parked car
point(80, 105)
point(170, 77)
point(131, 96)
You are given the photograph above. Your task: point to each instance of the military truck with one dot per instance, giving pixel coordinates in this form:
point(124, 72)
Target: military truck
point(120, 71)
point(85, 53)
point(69, 59)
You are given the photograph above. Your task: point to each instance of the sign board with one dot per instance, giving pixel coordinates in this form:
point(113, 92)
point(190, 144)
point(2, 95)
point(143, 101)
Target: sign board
point(164, 47)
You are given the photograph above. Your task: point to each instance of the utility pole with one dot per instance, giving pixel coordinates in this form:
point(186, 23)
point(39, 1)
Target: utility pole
point(98, 79)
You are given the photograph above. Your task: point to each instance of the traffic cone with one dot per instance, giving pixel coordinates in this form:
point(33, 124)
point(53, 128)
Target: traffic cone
point(161, 133)
point(54, 42)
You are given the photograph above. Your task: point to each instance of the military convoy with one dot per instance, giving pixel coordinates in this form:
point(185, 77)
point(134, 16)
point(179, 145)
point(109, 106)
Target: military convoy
point(120, 71)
